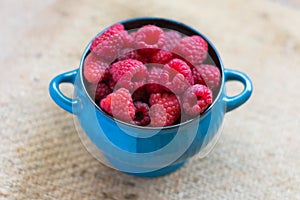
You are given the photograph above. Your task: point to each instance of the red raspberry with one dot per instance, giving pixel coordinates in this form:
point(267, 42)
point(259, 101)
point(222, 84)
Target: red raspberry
point(157, 80)
point(119, 104)
point(180, 76)
point(129, 39)
point(181, 67)
point(149, 36)
point(129, 53)
point(161, 57)
point(109, 43)
point(196, 99)
point(155, 88)
point(164, 110)
point(193, 49)
point(99, 91)
point(140, 94)
point(207, 75)
point(94, 70)
point(141, 117)
point(147, 53)
point(117, 27)
point(129, 73)
point(113, 29)
point(110, 82)
point(172, 38)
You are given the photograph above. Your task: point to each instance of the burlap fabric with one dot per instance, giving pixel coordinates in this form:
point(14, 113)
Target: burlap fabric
point(257, 156)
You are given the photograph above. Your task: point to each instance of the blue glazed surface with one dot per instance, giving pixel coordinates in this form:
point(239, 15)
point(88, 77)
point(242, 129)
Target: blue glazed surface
point(144, 151)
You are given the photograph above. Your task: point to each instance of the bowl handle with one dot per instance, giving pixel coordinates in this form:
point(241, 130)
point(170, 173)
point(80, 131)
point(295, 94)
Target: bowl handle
point(58, 97)
point(232, 102)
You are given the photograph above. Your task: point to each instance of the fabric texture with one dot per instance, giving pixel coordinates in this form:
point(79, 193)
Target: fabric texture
point(257, 156)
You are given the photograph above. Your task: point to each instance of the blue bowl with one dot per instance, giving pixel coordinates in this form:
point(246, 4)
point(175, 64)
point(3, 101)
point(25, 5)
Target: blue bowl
point(148, 151)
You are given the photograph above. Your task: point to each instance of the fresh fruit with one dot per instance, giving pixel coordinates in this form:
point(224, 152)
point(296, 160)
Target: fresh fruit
point(142, 77)
point(141, 117)
point(161, 57)
point(99, 91)
point(94, 69)
point(182, 68)
point(172, 38)
point(193, 49)
point(164, 110)
point(180, 76)
point(196, 99)
point(119, 104)
point(141, 94)
point(108, 44)
point(157, 79)
point(149, 36)
point(207, 75)
point(130, 74)
point(129, 53)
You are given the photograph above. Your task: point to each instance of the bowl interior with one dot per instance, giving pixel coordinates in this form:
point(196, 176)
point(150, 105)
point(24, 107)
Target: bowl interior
point(212, 58)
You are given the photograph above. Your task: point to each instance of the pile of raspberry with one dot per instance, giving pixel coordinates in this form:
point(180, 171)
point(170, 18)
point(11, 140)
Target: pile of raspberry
point(151, 76)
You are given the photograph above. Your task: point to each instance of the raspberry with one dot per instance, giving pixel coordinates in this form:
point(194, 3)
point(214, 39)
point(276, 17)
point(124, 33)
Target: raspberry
point(119, 104)
point(158, 115)
point(180, 75)
point(110, 82)
point(147, 53)
point(196, 99)
point(164, 110)
point(193, 49)
point(129, 53)
point(161, 57)
point(94, 70)
point(207, 75)
point(157, 80)
point(129, 39)
point(141, 117)
point(149, 36)
point(129, 73)
point(109, 43)
point(182, 68)
point(117, 27)
point(140, 94)
point(172, 38)
point(99, 91)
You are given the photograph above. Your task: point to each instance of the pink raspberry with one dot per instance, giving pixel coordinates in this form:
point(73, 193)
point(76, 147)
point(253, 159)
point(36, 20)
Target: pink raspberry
point(161, 57)
point(149, 36)
point(193, 49)
point(207, 75)
point(157, 80)
point(99, 91)
point(119, 104)
point(129, 39)
point(109, 43)
point(180, 76)
point(196, 99)
point(94, 70)
point(172, 38)
point(164, 110)
point(117, 27)
point(181, 67)
point(129, 73)
point(141, 117)
point(129, 53)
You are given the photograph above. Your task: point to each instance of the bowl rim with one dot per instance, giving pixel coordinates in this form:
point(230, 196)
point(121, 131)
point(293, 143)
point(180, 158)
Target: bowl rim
point(199, 117)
